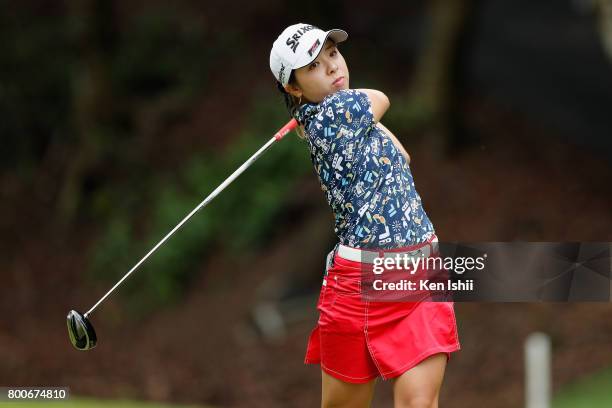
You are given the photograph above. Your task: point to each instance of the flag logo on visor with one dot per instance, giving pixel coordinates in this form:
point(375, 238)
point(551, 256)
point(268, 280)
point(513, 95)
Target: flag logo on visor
point(314, 47)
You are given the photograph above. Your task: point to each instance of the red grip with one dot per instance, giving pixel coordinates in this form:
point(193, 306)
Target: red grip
point(292, 124)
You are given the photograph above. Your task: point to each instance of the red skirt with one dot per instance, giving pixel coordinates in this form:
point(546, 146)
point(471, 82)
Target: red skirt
point(357, 340)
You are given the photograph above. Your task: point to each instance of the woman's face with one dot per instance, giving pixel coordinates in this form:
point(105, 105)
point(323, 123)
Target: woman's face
point(325, 75)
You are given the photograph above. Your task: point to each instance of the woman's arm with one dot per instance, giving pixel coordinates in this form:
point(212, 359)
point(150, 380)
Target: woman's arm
point(395, 141)
point(380, 102)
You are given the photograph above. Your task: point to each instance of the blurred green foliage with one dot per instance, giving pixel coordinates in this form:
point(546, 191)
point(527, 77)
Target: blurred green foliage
point(239, 219)
point(164, 52)
point(592, 391)
point(34, 102)
point(83, 58)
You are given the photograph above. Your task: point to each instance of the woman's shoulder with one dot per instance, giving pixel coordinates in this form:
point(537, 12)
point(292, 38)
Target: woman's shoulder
point(342, 96)
point(338, 101)
point(349, 107)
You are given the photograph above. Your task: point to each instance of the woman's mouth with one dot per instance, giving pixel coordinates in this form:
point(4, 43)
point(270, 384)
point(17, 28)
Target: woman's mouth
point(338, 82)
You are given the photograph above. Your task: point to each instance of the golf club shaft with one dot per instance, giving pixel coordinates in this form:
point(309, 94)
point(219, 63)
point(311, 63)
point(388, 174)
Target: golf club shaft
point(278, 136)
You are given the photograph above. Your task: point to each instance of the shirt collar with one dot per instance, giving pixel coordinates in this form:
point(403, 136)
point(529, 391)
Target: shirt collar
point(306, 111)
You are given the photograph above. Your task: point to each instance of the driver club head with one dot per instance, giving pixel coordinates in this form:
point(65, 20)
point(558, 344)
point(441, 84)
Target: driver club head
point(81, 332)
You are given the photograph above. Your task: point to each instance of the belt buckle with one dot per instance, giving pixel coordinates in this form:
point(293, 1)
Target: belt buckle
point(416, 252)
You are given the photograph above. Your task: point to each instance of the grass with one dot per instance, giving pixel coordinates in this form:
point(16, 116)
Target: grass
point(94, 403)
point(590, 392)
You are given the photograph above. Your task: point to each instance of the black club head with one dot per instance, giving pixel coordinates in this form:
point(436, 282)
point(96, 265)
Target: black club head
point(81, 332)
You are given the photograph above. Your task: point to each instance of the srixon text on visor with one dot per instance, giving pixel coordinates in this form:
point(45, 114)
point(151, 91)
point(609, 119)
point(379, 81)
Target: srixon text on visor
point(294, 40)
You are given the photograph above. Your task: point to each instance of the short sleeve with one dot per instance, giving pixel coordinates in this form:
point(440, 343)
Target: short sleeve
point(347, 110)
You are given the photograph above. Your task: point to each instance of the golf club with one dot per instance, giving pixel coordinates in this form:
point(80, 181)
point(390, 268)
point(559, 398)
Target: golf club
point(80, 330)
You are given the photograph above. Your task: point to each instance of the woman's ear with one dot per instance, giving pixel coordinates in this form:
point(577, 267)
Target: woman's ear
point(293, 90)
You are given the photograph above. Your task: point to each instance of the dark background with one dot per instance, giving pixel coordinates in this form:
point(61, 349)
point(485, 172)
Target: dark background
point(118, 118)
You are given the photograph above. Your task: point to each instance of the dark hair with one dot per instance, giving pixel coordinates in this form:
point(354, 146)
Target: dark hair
point(292, 103)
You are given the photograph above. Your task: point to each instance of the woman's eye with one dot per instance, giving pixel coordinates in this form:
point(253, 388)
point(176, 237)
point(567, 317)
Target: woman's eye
point(313, 65)
point(333, 53)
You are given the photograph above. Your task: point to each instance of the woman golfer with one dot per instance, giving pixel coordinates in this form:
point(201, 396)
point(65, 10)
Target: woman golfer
point(364, 174)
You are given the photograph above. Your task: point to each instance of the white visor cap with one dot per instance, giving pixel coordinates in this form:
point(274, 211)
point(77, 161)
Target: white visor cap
point(297, 46)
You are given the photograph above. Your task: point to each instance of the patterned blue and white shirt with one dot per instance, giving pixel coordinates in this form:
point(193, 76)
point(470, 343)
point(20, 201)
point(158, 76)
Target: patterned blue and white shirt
point(366, 179)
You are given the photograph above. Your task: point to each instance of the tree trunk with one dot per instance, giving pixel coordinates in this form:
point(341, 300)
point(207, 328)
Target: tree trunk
point(430, 99)
point(92, 100)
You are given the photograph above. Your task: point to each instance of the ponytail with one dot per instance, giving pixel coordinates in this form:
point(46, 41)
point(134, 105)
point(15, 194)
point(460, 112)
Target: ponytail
point(292, 104)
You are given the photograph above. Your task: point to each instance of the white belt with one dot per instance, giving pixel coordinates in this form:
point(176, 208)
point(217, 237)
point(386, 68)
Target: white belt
point(367, 256)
